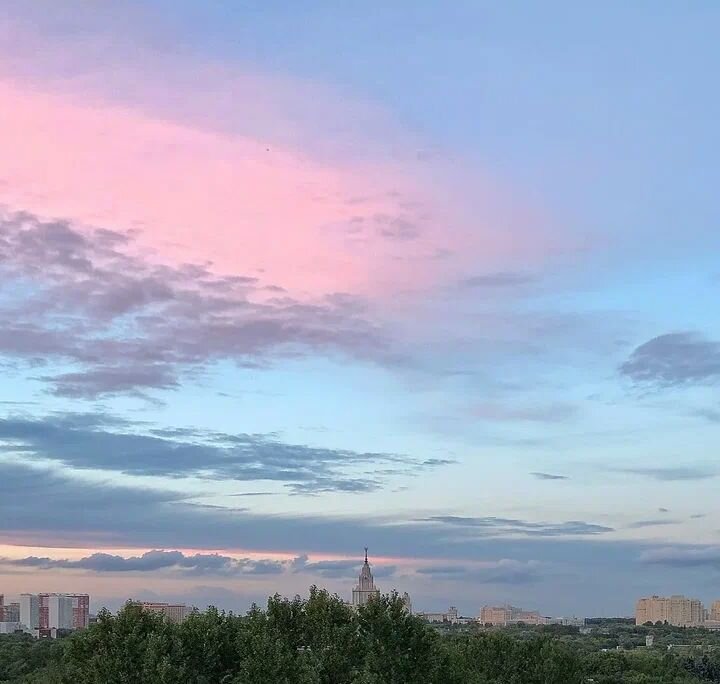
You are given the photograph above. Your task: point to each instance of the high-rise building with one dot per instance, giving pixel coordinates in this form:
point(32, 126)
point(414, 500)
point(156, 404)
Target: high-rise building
point(715, 611)
point(30, 611)
point(80, 610)
point(676, 610)
point(173, 612)
point(54, 611)
point(12, 612)
point(2, 608)
point(365, 590)
point(59, 611)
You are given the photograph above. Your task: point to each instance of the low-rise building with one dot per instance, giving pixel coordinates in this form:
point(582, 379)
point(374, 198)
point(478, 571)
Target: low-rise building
point(502, 616)
point(173, 612)
point(450, 616)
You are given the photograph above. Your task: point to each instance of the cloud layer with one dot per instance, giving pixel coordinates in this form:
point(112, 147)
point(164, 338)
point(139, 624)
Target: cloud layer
point(129, 325)
point(97, 442)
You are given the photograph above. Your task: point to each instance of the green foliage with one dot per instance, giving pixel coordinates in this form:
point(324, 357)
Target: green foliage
point(320, 640)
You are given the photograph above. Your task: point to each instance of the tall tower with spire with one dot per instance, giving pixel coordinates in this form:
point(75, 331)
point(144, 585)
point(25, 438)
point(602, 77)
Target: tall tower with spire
point(365, 589)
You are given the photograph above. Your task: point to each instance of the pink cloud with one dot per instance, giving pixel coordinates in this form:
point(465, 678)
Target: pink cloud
point(259, 174)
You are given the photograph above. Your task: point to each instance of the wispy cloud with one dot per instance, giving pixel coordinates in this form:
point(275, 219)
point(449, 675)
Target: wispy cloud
point(549, 476)
point(509, 526)
point(502, 280)
point(672, 473)
point(132, 325)
point(505, 571)
point(98, 442)
point(658, 522)
point(549, 413)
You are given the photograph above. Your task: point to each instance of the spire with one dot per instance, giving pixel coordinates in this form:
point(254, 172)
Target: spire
point(366, 549)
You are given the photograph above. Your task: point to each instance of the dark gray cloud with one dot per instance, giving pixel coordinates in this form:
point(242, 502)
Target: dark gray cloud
point(549, 476)
point(498, 280)
point(68, 512)
point(89, 441)
point(672, 474)
point(641, 524)
point(684, 557)
point(152, 561)
point(83, 297)
point(122, 516)
point(338, 569)
point(505, 571)
point(674, 359)
point(510, 526)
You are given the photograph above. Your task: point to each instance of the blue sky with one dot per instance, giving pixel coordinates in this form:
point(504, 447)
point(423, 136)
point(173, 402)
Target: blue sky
point(290, 279)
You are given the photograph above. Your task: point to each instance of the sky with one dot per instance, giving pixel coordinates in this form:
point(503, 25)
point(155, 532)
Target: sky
point(282, 280)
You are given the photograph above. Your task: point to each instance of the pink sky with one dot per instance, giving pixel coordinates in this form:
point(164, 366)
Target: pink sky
point(227, 191)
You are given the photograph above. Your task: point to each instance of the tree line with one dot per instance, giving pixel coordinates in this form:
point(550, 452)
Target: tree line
point(320, 640)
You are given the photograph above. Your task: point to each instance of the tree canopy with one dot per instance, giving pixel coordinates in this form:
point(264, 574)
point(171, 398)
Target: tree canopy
point(321, 640)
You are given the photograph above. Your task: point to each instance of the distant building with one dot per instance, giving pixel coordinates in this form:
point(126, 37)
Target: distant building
point(407, 602)
point(10, 627)
point(80, 610)
point(11, 612)
point(46, 612)
point(59, 609)
point(715, 611)
point(30, 611)
point(173, 612)
point(365, 590)
point(451, 616)
point(566, 621)
point(676, 610)
point(501, 616)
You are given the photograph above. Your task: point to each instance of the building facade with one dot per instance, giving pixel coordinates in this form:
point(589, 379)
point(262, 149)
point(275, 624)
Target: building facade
point(54, 611)
point(365, 590)
point(172, 612)
point(59, 609)
point(501, 616)
point(10, 627)
point(451, 616)
point(677, 610)
point(715, 611)
point(30, 611)
point(11, 612)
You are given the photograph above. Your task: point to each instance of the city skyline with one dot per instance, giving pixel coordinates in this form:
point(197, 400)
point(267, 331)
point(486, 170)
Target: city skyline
point(282, 280)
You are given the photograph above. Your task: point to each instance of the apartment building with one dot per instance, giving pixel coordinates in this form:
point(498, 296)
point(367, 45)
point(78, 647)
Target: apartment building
point(675, 610)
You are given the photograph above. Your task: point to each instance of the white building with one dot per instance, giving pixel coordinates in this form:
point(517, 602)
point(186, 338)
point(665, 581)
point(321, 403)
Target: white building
point(60, 611)
point(451, 616)
point(365, 589)
point(30, 611)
